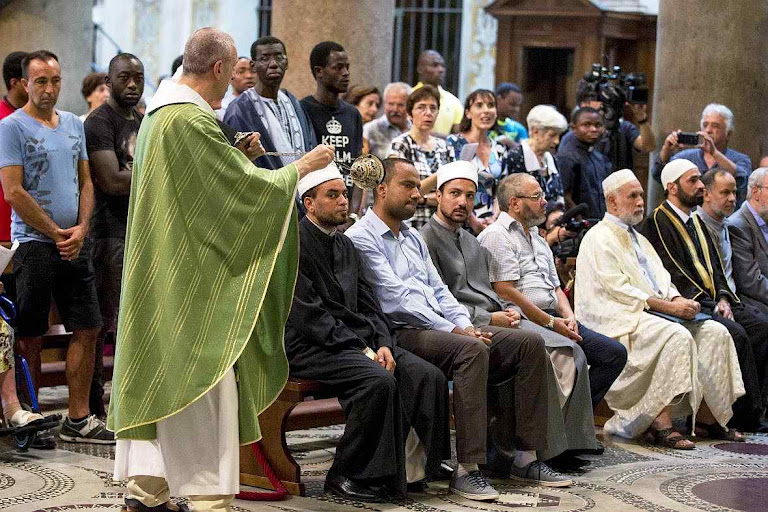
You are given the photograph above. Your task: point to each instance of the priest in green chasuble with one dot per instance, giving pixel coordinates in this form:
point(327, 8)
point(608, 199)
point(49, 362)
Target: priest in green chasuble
point(210, 265)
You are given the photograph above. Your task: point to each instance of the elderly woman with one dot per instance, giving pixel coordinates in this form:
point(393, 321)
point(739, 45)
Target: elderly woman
point(545, 125)
point(533, 156)
point(426, 151)
point(474, 143)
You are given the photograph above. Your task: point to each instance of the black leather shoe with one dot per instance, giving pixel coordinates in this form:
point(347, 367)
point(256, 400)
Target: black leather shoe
point(567, 463)
point(417, 487)
point(350, 490)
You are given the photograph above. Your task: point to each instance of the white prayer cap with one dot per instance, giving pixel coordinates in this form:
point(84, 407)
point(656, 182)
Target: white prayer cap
point(457, 169)
point(674, 170)
point(616, 180)
point(315, 178)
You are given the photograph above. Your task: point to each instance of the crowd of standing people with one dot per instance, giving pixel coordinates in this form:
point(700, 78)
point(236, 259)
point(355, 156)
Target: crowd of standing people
point(159, 227)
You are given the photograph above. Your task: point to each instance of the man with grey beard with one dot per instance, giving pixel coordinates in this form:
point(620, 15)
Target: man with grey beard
point(679, 361)
point(748, 230)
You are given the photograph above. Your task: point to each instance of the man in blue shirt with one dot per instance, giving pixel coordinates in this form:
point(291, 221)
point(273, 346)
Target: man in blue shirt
point(582, 167)
point(432, 324)
point(712, 153)
point(47, 182)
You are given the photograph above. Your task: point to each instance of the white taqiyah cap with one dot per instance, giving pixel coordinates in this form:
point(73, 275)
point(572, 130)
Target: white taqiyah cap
point(616, 180)
point(457, 169)
point(315, 178)
point(674, 170)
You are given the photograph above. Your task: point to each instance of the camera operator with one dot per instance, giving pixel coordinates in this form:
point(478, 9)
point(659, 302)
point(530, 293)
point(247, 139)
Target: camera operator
point(629, 137)
point(711, 151)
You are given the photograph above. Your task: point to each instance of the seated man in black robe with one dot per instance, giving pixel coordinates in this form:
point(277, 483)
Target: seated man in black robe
point(690, 255)
point(336, 334)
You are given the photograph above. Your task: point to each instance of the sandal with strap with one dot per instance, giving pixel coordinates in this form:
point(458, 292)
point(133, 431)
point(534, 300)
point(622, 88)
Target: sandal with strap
point(717, 431)
point(670, 438)
point(134, 505)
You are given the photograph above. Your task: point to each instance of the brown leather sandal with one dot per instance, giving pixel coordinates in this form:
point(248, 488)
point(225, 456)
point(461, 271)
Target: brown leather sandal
point(716, 431)
point(670, 438)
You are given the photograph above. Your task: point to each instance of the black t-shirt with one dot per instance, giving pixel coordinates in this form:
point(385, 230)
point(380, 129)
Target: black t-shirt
point(106, 130)
point(341, 126)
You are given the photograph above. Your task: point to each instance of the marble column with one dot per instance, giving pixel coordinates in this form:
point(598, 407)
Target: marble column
point(64, 27)
point(363, 28)
point(712, 51)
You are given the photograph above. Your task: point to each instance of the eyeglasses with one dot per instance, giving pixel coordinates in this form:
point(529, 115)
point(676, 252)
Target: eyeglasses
point(421, 107)
point(534, 197)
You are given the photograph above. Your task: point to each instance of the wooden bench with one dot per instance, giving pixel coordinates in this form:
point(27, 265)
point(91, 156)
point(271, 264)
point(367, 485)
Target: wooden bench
point(302, 404)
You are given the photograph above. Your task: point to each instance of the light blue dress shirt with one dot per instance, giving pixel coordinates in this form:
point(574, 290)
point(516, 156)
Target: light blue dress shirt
point(407, 284)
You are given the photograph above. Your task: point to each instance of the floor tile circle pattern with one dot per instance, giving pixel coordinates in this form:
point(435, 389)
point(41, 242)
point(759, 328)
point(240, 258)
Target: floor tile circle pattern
point(720, 491)
point(52, 483)
point(744, 448)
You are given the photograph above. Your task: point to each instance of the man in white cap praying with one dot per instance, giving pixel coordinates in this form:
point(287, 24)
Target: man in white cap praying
point(337, 334)
point(690, 255)
point(680, 363)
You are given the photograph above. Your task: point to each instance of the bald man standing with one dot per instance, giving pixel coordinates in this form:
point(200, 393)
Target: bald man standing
point(431, 70)
point(211, 259)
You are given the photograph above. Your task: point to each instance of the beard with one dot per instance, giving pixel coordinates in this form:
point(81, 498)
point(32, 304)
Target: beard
point(533, 218)
point(456, 215)
point(332, 219)
point(632, 219)
point(689, 200)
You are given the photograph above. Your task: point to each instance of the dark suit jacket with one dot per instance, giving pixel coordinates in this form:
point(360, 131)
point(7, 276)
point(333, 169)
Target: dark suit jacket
point(671, 244)
point(750, 258)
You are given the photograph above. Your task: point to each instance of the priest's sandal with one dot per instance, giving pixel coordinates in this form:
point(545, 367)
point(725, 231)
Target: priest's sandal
point(716, 431)
point(134, 505)
point(671, 438)
point(538, 473)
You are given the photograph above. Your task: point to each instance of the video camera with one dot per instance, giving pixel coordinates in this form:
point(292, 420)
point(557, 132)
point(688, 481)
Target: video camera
point(613, 90)
point(570, 248)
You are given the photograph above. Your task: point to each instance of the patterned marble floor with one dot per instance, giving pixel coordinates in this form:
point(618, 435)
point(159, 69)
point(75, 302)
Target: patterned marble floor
point(630, 476)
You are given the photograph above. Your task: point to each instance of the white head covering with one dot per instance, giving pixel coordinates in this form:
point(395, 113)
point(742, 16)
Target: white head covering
point(675, 169)
point(315, 178)
point(457, 169)
point(616, 180)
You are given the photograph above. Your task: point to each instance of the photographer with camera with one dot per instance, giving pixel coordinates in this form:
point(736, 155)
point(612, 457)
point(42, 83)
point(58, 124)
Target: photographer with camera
point(708, 149)
point(609, 93)
point(582, 167)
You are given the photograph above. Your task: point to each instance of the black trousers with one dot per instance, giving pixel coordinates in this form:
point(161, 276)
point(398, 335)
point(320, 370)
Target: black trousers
point(749, 330)
point(379, 409)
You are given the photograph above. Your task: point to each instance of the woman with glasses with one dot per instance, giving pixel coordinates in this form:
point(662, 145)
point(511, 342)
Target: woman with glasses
point(418, 145)
point(473, 143)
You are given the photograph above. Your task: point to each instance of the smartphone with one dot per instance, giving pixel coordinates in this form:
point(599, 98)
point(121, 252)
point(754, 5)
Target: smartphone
point(688, 138)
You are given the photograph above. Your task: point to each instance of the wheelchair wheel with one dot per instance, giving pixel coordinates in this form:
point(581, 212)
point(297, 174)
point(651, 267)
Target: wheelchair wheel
point(24, 441)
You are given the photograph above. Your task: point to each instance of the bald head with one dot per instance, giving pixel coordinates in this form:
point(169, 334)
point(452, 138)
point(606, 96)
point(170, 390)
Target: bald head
point(431, 68)
point(205, 48)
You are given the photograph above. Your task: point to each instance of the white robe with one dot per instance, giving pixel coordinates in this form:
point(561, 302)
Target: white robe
point(197, 450)
point(668, 363)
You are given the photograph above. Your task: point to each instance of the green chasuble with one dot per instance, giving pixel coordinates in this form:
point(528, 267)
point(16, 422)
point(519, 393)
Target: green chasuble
point(211, 260)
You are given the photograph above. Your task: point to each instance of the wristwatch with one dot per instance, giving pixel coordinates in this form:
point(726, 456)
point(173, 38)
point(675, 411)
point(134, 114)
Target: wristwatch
point(551, 324)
